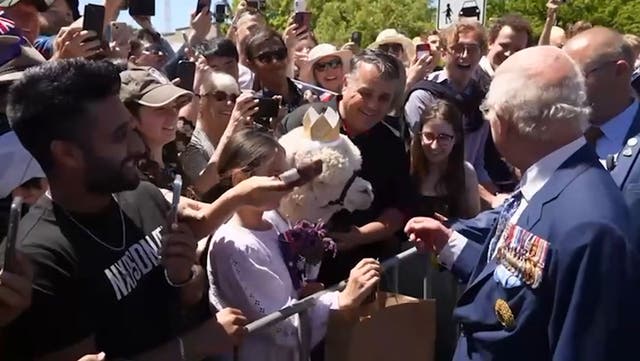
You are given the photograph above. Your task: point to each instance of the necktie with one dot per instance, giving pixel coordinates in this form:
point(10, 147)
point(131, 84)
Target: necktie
point(592, 135)
point(509, 207)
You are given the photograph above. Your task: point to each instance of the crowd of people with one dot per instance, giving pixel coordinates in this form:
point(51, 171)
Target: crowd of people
point(514, 164)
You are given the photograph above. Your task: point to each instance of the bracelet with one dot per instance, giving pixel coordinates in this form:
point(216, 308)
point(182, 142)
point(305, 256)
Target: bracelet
point(182, 284)
point(183, 356)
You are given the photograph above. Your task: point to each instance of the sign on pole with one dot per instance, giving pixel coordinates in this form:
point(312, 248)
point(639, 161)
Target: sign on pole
point(450, 11)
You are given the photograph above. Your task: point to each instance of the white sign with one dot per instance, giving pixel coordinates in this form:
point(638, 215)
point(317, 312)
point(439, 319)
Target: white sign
point(450, 11)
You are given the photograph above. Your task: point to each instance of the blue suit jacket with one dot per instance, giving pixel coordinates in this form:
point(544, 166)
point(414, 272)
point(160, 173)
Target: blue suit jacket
point(627, 172)
point(582, 310)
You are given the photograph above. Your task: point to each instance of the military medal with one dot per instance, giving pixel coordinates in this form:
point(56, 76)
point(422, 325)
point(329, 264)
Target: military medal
point(504, 314)
point(523, 254)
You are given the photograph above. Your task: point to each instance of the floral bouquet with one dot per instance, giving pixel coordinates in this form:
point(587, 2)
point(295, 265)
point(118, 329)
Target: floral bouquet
point(303, 247)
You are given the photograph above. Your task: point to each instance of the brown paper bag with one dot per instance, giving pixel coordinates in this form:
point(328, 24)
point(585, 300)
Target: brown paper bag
point(393, 327)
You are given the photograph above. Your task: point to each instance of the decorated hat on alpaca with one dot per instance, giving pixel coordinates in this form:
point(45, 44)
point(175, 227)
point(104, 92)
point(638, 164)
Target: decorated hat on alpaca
point(321, 125)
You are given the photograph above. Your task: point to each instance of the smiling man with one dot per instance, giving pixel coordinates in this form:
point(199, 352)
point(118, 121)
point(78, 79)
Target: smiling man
point(368, 94)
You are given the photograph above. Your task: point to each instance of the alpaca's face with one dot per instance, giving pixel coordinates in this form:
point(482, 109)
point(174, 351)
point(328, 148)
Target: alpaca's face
point(322, 197)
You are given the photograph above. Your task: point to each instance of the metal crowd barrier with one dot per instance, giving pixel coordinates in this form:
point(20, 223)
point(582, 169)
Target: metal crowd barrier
point(301, 306)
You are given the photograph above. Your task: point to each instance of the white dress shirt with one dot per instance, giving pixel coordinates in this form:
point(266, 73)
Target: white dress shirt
point(614, 131)
point(532, 181)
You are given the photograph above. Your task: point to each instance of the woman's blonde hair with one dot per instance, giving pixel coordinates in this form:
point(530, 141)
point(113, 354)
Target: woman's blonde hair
point(218, 81)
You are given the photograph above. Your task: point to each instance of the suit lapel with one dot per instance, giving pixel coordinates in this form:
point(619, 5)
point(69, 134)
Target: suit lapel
point(562, 177)
point(629, 153)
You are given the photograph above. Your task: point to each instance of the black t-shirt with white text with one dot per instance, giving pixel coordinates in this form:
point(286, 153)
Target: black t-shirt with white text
point(84, 288)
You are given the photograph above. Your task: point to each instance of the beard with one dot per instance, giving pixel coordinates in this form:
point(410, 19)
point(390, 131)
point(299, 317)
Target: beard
point(104, 176)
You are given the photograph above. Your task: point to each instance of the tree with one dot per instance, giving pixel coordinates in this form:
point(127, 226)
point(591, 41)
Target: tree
point(335, 20)
point(618, 14)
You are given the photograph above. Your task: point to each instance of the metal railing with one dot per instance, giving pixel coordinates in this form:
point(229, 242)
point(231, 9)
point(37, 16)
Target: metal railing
point(301, 306)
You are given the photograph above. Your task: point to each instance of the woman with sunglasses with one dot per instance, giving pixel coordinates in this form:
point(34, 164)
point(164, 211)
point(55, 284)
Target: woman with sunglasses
point(326, 68)
point(223, 111)
point(267, 56)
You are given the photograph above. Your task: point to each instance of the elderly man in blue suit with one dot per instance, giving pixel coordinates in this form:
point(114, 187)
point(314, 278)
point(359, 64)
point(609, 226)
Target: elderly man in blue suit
point(607, 61)
point(552, 273)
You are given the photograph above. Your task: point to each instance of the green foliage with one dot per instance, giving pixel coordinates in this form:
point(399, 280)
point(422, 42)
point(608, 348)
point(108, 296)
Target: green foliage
point(618, 14)
point(335, 20)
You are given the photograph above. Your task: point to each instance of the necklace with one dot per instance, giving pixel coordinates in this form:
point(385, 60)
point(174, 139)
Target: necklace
point(124, 231)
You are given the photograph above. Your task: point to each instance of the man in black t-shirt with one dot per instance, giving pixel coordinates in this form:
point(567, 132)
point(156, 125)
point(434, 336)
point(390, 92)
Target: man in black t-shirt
point(367, 96)
point(109, 275)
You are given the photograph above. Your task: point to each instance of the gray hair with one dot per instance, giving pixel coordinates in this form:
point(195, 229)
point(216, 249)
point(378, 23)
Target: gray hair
point(537, 108)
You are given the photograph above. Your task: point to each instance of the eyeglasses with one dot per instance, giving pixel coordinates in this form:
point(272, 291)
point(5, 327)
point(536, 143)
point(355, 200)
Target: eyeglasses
point(270, 56)
point(221, 96)
point(459, 49)
point(442, 138)
point(331, 64)
point(153, 50)
point(391, 48)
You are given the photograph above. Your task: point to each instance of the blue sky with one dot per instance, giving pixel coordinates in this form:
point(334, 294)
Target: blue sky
point(180, 11)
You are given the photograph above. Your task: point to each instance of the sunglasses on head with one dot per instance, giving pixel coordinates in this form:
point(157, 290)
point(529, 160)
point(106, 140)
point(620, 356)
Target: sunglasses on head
point(391, 48)
point(331, 64)
point(270, 56)
point(221, 96)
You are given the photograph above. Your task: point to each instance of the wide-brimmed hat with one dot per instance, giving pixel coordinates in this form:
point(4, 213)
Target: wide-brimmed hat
point(149, 87)
point(41, 5)
point(321, 50)
point(16, 55)
point(388, 36)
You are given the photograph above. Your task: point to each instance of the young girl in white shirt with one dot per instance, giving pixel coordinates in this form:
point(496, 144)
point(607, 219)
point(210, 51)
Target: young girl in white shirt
point(246, 269)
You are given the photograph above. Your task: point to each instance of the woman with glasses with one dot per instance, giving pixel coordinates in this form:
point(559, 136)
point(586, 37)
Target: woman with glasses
point(326, 68)
point(447, 186)
point(223, 111)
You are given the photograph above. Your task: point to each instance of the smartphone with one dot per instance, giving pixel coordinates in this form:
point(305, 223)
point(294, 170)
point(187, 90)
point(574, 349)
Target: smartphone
point(267, 108)
point(93, 19)
point(356, 38)
point(202, 4)
point(12, 235)
point(176, 189)
point(221, 13)
point(253, 4)
point(119, 32)
point(302, 19)
point(186, 72)
point(302, 174)
point(142, 7)
point(422, 50)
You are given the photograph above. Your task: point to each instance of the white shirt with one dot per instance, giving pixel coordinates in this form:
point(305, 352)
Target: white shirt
point(246, 271)
point(485, 65)
point(615, 130)
point(532, 182)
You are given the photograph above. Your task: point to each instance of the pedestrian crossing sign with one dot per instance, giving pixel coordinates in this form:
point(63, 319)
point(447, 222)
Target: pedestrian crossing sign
point(450, 11)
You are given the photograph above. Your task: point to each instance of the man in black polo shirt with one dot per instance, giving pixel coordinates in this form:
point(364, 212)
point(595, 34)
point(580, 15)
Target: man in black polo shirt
point(367, 96)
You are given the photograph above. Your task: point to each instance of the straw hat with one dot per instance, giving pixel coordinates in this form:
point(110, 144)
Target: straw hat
point(387, 36)
point(321, 50)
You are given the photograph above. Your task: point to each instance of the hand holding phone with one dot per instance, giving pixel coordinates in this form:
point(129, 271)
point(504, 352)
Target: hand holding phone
point(12, 235)
point(267, 108)
point(422, 50)
point(303, 174)
point(203, 4)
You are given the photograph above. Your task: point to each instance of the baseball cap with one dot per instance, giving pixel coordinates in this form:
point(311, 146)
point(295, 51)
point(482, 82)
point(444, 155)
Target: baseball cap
point(16, 55)
point(41, 5)
point(149, 87)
